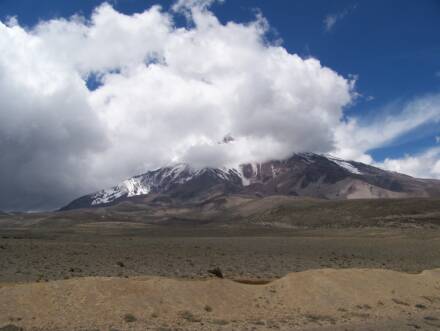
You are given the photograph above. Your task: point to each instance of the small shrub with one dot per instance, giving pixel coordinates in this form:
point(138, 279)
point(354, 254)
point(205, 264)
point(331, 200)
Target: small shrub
point(217, 272)
point(220, 322)
point(129, 318)
point(430, 318)
point(187, 315)
point(400, 302)
point(319, 318)
point(10, 327)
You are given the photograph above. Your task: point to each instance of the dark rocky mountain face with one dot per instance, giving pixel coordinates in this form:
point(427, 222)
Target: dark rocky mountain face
point(178, 182)
point(305, 174)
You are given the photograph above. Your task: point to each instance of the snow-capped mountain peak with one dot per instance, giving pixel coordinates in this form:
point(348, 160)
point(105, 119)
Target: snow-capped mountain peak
point(161, 180)
point(303, 174)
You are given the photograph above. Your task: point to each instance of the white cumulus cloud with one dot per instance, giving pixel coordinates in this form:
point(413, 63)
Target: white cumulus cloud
point(354, 137)
point(423, 165)
point(165, 94)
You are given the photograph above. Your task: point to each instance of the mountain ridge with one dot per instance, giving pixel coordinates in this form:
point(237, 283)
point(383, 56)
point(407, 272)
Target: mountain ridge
point(303, 174)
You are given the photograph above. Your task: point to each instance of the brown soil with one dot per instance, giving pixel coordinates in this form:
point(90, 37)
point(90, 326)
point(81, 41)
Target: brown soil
point(287, 264)
point(325, 299)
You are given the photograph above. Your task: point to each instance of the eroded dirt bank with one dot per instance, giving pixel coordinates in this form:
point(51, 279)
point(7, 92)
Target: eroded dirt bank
point(326, 299)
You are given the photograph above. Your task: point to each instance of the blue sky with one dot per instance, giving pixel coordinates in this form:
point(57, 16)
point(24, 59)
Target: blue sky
point(393, 46)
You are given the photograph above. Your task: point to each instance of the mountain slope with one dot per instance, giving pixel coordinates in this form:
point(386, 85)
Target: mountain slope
point(180, 181)
point(304, 174)
point(327, 177)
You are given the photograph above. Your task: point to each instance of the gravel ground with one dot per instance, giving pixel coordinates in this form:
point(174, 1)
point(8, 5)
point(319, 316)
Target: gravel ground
point(43, 255)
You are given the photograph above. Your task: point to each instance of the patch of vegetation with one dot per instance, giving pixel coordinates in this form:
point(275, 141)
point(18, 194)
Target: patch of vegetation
point(320, 318)
point(11, 327)
point(129, 318)
point(219, 322)
point(420, 306)
point(217, 272)
point(75, 270)
point(190, 317)
point(431, 318)
point(431, 299)
point(400, 302)
point(415, 326)
point(432, 321)
point(363, 307)
point(208, 308)
point(359, 315)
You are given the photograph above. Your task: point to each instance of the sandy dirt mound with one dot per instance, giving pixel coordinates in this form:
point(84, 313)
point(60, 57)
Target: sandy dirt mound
point(325, 299)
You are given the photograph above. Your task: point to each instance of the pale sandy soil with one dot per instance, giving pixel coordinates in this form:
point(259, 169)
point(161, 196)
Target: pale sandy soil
point(326, 299)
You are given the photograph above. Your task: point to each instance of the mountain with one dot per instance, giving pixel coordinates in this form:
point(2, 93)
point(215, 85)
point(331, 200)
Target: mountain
point(303, 174)
point(179, 181)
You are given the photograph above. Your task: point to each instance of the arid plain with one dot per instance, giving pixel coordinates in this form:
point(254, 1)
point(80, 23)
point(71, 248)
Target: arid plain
point(231, 263)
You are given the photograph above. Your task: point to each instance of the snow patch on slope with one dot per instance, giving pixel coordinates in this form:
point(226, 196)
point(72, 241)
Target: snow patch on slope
point(239, 172)
point(344, 164)
point(161, 180)
point(129, 188)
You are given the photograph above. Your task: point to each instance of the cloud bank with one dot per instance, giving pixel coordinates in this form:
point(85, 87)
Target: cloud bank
point(164, 94)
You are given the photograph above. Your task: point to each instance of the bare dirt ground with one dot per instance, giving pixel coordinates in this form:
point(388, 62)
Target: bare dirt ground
point(328, 299)
point(29, 256)
point(123, 270)
point(321, 279)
